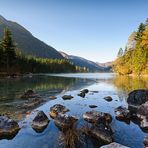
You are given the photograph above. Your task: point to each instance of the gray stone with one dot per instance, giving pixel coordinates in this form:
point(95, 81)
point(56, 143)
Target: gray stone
point(67, 97)
point(114, 145)
point(95, 117)
point(64, 122)
point(137, 98)
point(40, 121)
point(122, 113)
point(8, 127)
point(57, 109)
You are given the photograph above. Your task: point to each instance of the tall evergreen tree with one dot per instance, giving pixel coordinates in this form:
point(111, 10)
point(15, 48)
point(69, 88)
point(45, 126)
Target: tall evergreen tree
point(120, 52)
point(141, 28)
point(1, 57)
point(146, 22)
point(9, 49)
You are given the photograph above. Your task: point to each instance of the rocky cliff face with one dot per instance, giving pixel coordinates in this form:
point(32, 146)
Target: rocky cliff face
point(131, 43)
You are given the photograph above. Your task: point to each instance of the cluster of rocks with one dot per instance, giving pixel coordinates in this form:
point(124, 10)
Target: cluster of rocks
point(100, 127)
point(137, 108)
point(99, 123)
point(32, 100)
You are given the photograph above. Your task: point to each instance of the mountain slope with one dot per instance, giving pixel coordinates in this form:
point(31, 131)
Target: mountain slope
point(79, 61)
point(107, 66)
point(26, 42)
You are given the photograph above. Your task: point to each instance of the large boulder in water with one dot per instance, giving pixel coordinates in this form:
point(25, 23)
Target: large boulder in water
point(122, 113)
point(64, 122)
point(95, 117)
point(142, 114)
point(100, 132)
point(40, 121)
point(114, 145)
point(137, 98)
point(57, 109)
point(8, 127)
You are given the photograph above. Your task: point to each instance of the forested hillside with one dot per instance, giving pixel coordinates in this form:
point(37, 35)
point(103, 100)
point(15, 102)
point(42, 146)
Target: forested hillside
point(134, 59)
point(12, 61)
point(26, 42)
point(82, 62)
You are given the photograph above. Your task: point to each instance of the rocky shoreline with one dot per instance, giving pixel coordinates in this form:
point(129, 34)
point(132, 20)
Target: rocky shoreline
point(98, 125)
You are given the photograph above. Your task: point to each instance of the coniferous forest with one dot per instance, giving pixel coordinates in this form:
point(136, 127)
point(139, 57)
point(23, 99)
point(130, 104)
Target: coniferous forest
point(134, 61)
point(12, 61)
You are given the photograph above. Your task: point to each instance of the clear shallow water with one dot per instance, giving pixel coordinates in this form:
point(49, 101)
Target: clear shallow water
point(107, 84)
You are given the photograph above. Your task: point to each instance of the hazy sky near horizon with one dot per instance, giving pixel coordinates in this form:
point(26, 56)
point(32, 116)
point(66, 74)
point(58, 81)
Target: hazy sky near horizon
point(93, 29)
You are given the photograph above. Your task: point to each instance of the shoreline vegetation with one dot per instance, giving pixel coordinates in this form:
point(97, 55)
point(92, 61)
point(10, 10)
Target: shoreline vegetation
point(134, 59)
point(14, 63)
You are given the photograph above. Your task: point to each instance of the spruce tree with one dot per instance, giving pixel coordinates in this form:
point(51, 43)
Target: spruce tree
point(120, 52)
point(141, 28)
point(9, 49)
point(1, 58)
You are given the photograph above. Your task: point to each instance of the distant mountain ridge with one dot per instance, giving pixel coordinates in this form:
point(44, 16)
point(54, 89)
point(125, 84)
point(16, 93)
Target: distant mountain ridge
point(26, 42)
point(82, 62)
point(30, 45)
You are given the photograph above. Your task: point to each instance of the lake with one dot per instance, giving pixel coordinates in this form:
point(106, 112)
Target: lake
point(107, 84)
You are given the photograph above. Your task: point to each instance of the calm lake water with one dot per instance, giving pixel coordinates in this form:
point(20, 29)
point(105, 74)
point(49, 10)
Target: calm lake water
point(107, 84)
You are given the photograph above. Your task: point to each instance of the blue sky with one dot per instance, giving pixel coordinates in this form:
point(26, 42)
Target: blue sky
point(94, 29)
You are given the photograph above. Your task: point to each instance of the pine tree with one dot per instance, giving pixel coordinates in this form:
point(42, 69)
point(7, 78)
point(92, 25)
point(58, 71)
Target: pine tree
point(141, 28)
point(1, 57)
point(146, 22)
point(9, 49)
point(120, 52)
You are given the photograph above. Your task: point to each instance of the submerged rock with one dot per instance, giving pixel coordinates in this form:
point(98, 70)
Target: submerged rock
point(8, 127)
point(29, 94)
point(137, 98)
point(108, 98)
point(84, 91)
point(101, 133)
point(64, 122)
point(40, 121)
point(81, 94)
point(92, 106)
point(145, 142)
point(114, 145)
point(122, 113)
point(142, 114)
point(57, 109)
point(67, 97)
point(96, 117)
point(32, 103)
point(52, 97)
